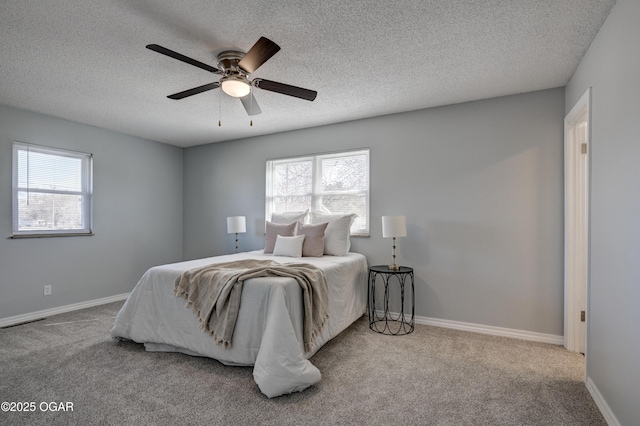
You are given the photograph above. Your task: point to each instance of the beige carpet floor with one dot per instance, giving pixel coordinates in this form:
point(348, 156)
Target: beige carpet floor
point(434, 376)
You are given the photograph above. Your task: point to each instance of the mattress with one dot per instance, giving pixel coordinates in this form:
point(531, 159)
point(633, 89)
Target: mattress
point(268, 332)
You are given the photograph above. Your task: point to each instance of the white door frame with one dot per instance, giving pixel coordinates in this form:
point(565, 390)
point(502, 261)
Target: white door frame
point(576, 242)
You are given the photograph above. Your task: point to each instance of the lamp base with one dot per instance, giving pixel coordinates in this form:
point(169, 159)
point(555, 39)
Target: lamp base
point(394, 267)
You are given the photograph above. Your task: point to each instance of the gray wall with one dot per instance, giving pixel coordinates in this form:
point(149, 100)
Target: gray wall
point(612, 67)
point(137, 217)
point(480, 183)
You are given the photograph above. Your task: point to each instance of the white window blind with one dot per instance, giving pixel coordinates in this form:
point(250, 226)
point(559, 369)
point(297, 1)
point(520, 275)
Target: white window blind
point(330, 183)
point(51, 191)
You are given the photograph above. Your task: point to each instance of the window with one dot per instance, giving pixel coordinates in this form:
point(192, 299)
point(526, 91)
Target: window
point(51, 191)
point(331, 183)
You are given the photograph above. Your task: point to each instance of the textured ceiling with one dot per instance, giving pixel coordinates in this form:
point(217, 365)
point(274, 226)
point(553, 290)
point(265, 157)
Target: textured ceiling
point(85, 60)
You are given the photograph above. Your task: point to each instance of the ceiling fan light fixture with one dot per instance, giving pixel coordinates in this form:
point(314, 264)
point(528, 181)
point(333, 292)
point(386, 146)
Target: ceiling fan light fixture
point(235, 86)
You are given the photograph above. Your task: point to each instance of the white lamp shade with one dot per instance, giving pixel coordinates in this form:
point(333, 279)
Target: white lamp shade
point(394, 226)
point(236, 224)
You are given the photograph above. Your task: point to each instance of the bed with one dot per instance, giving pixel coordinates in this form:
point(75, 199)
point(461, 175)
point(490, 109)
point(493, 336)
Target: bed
point(268, 331)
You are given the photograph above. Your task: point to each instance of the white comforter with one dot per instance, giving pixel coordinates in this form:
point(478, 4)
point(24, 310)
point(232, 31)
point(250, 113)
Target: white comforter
point(268, 333)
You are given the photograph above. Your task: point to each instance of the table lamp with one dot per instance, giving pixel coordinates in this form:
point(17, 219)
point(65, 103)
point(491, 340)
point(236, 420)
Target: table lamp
point(393, 227)
point(236, 225)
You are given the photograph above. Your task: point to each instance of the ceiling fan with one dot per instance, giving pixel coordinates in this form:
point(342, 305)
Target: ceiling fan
point(235, 67)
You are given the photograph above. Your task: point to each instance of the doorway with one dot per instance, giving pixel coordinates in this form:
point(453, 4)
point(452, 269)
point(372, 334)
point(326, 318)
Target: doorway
point(576, 221)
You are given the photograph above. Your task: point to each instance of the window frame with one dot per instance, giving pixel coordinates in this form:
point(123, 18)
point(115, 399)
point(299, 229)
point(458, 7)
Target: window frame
point(86, 191)
point(317, 193)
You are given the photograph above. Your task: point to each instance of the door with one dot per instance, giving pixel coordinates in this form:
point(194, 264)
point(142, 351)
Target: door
point(577, 148)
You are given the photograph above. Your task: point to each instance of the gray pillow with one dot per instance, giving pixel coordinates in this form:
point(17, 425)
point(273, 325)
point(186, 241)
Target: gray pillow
point(313, 245)
point(275, 229)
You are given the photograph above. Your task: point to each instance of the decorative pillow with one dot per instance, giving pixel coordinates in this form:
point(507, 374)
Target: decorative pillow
point(288, 217)
point(288, 246)
point(336, 236)
point(275, 229)
point(313, 238)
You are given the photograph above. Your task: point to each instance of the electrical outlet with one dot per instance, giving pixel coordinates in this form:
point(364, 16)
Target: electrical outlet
point(47, 290)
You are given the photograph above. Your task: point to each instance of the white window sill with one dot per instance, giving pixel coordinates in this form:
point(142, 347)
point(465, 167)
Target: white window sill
point(70, 234)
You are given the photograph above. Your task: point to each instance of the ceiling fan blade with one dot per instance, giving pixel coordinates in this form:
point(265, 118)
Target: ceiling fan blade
point(285, 89)
point(258, 55)
point(183, 58)
point(194, 91)
point(250, 104)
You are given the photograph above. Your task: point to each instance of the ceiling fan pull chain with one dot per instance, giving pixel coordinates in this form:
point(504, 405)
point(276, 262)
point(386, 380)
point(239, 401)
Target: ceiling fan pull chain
point(251, 94)
point(219, 122)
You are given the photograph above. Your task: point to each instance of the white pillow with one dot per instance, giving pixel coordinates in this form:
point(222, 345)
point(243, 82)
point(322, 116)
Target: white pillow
point(336, 236)
point(288, 246)
point(288, 217)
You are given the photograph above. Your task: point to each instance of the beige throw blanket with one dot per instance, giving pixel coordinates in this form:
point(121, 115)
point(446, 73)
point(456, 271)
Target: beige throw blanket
point(213, 293)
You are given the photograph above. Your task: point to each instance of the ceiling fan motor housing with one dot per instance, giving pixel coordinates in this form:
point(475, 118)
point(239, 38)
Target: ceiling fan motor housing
point(228, 61)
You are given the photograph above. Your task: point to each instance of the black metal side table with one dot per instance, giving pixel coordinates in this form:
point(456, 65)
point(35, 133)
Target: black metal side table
point(388, 322)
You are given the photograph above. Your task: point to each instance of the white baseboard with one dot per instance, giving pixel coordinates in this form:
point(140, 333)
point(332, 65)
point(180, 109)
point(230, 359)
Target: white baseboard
point(602, 404)
point(5, 322)
point(495, 331)
point(488, 329)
